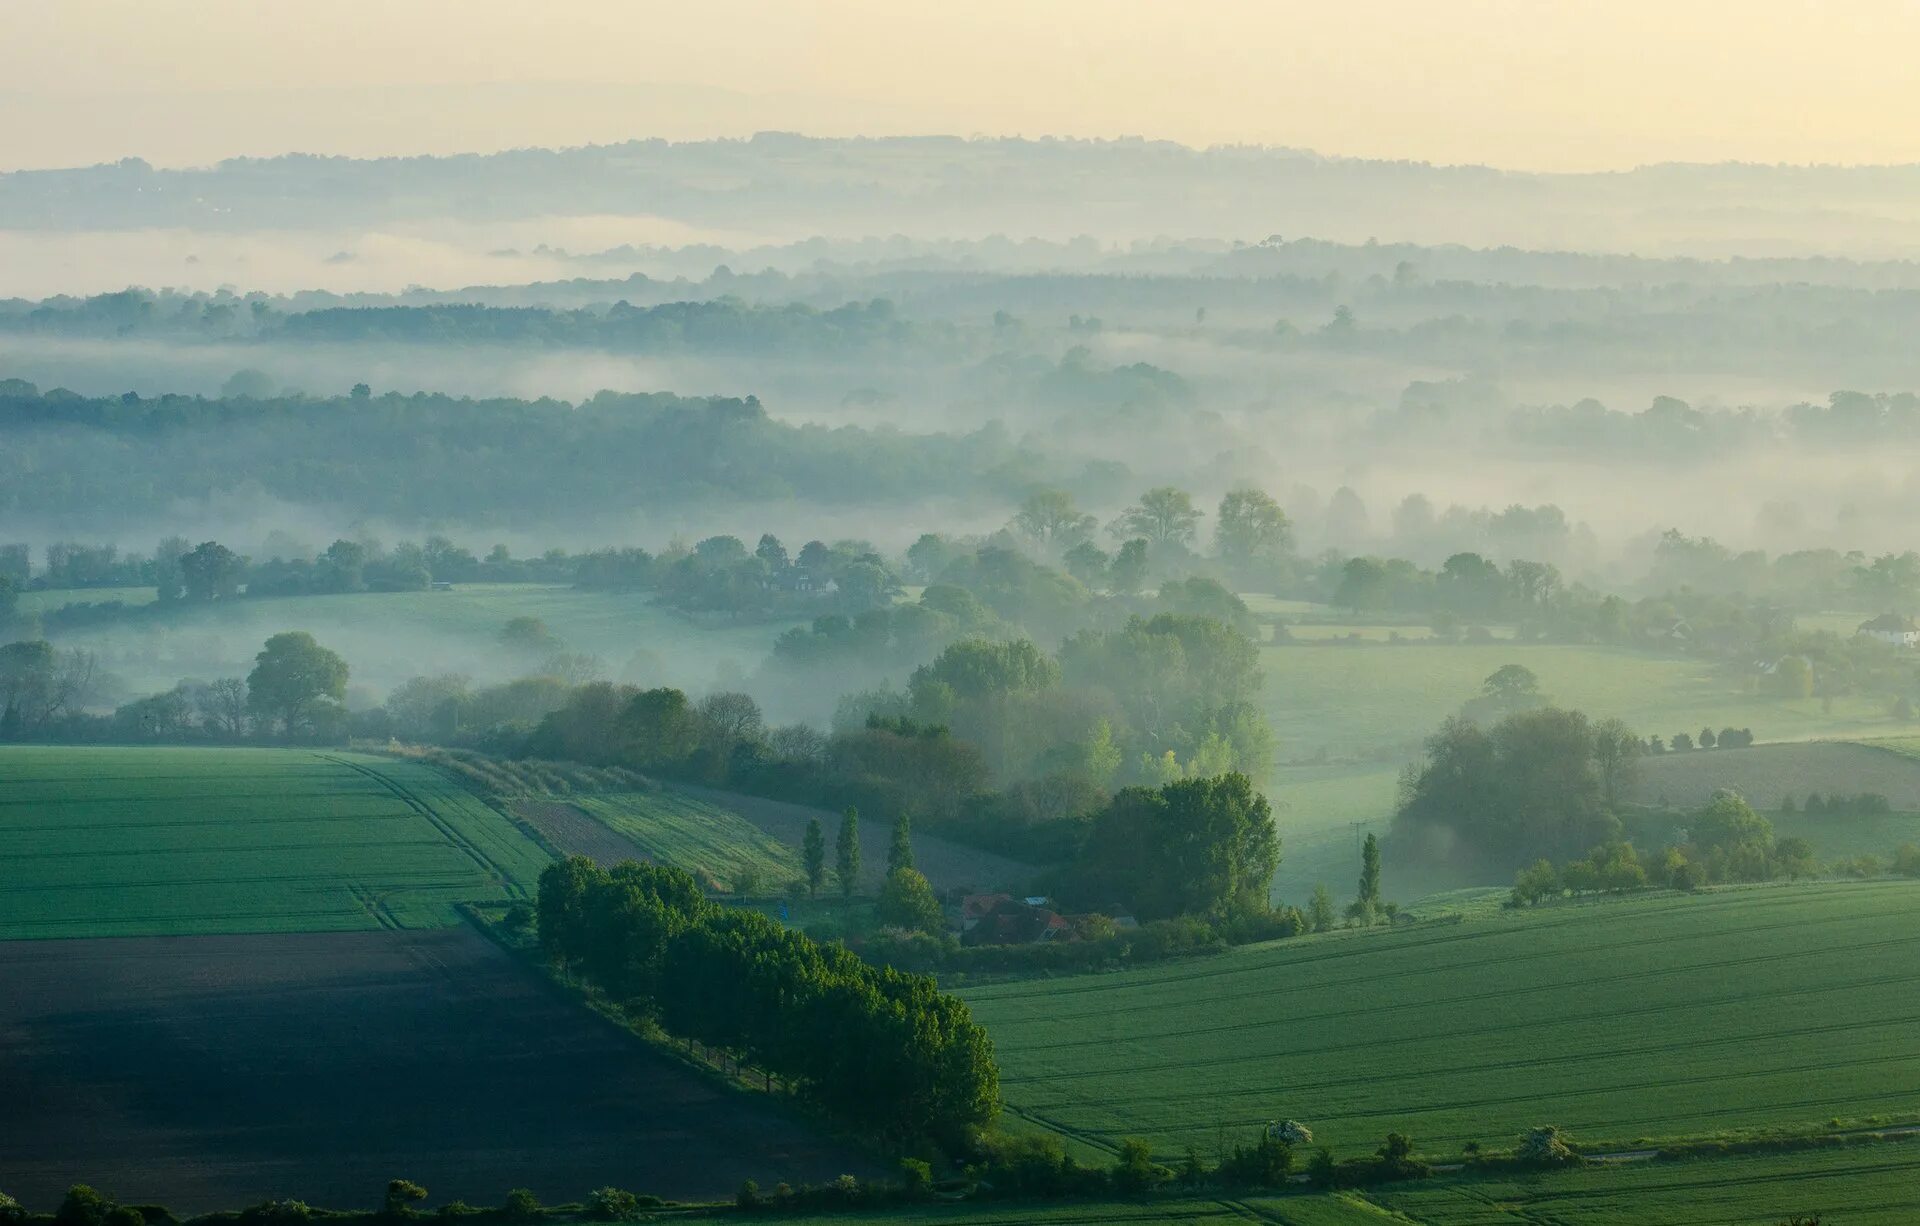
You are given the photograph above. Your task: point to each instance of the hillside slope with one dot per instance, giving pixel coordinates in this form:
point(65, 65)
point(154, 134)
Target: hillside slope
point(1657, 1016)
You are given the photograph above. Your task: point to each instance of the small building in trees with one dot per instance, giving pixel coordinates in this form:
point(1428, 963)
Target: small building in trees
point(1892, 629)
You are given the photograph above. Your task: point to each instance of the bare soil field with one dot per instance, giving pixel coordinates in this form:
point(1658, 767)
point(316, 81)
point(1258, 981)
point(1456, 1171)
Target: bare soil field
point(578, 834)
point(219, 1071)
point(946, 864)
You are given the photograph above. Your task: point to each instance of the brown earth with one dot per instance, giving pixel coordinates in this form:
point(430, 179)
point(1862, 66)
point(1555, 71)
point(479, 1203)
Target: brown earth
point(946, 864)
point(578, 833)
point(219, 1071)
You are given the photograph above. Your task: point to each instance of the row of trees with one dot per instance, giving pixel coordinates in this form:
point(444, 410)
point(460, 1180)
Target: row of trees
point(886, 1051)
point(295, 691)
point(1724, 841)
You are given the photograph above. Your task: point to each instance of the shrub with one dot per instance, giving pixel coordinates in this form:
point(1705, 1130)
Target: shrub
point(11, 1211)
point(613, 1204)
point(82, 1206)
point(1136, 1172)
point(277, 1213)
point(1906, 860)
point(916, 1177)
point(1033, 1165)
point(748, 1197)
point(1264, 1164)
point(521, 1206)
point(125, 1215)
point(1321, 1169)
point(1545, 1146)
point(1293, 1132)
point(402, 1195)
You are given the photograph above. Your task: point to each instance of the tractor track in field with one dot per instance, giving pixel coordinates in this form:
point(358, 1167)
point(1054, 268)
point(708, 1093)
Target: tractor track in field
point(1689, 1043)
point(1662, 939)
point(446, 828)
point(1475, 1032)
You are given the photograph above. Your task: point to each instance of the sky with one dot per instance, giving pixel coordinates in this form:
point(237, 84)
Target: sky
point(1525, 84)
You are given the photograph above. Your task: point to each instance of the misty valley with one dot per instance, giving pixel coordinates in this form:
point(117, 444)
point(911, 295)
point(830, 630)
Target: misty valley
point(957, 680)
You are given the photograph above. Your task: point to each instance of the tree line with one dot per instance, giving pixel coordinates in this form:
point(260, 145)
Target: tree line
point(883, 1050)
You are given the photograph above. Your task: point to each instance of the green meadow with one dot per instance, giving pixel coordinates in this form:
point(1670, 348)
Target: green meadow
point(1656, 1016)
point(169, 841)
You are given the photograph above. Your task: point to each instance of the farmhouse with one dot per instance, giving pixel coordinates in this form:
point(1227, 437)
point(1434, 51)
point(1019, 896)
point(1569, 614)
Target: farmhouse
point(1891, 628)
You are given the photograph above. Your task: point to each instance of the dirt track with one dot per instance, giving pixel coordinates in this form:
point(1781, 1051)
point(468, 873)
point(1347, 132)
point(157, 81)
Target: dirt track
point(216, 1072)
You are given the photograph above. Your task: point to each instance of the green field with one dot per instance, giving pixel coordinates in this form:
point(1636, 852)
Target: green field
point(1856, 1185)
point(125, 842)
point(390, 636)
point(47, 600)
point(1362, 701)
point(1876, 1184)
point(1657, 1016)
point(705, 839)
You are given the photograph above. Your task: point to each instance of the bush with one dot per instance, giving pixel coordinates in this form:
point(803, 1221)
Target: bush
point(11, 1211)
point(1033, 1165)
point(1545, 1146)
point(1264, 1164)
point(277, 1213)
point(1906, 860)
point(1322, 1170)
point(82, 1206)
point(907, 902)
point(612, 1204)
point(916, 1177)
point(1136, 1172)
point(521, 1205)
point(402, 1195)
point(748, 1197)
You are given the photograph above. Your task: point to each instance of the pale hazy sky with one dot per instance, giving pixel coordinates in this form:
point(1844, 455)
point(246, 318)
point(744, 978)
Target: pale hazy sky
point(1537, 84)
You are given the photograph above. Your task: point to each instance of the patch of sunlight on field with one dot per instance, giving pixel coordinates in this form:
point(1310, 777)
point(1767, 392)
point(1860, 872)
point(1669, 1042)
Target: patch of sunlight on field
point(168, 841)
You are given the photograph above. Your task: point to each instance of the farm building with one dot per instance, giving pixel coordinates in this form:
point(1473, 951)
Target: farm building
point(1891, 628)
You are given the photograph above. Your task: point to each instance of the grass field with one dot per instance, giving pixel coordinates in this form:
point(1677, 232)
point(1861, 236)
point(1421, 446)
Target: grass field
point(53, 598)
point(1764, 774)
point(1659, 1016)
point(390, 636)
point(122, 842)
point(1373, 700)
point(1856, 1185)
point(706, 839)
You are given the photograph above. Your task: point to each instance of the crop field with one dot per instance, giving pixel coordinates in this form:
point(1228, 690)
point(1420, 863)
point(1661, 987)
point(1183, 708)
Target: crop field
point(1855, 1185)
point(1875, 1184)
point(222, 1071)
point(151, 841)
point(1364, 700)
point(390, 636)
point(1766, 773)
point(706, 839)
point(1659, 1016)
